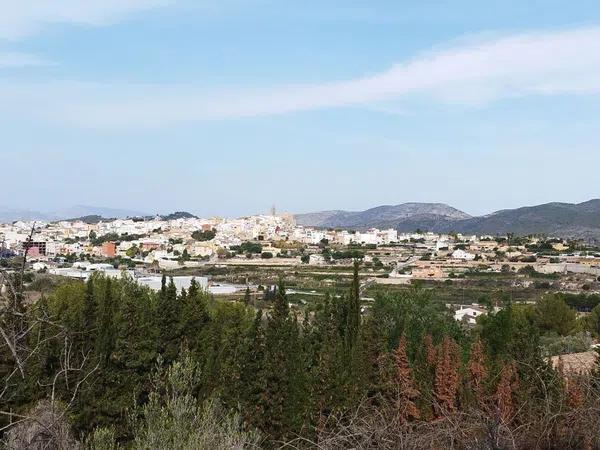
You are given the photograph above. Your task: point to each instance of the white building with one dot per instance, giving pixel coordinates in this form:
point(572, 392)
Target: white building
point(469, 314)
point(155, 282)
point(463, 255)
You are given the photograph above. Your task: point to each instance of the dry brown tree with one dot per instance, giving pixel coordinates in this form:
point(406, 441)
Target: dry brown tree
point(477, 372)
point(446, 379)
point(405, 391)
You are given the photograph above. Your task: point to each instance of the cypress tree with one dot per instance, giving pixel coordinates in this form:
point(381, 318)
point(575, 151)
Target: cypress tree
point(353, 311)
point(364, 374)
point(247, 298)
point(89, 322)
point(194, 317)
point(284, 382)
point(324, 362)
point(106, 333)
point(169, 316)
point(135, 349)
point(252, 376)
point(46, 359)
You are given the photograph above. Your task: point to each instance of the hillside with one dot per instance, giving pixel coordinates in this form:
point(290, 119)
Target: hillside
point(401, 216)
point(558, 219)
point(8, 215)
point(178, 215)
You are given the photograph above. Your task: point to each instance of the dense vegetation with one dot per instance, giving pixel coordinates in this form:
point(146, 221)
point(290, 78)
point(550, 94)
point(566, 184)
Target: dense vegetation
point(117, 364)
point(204, 235)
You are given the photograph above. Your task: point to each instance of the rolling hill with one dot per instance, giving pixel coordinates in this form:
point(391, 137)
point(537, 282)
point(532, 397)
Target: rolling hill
point(404, 216)
point(8, 215)
point(557, 219)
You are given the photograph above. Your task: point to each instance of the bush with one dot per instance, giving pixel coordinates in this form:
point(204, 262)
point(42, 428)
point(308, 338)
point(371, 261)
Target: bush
point(266, 255)
point(248, 247)
point(174, 418)
point(204, 235)
point(45, 427)
point(552, 314)
point(559, 345)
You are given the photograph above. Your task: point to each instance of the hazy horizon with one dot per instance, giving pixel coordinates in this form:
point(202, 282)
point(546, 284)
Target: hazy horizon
point(265, 211)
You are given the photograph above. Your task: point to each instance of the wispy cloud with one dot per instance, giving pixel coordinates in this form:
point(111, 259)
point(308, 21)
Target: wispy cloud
point(16, 59)
point(543, 63)
point(19, 18)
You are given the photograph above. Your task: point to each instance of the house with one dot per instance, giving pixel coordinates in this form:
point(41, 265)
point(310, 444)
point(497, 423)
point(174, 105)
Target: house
point(441, 244)
point(38, 266)
point(155, 282)
point(469, 314)
point(109, 249)
point(560, 247)
point(463, 255)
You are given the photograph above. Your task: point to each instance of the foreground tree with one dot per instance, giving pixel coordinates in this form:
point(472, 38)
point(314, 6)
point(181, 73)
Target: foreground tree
point(446, 377)
point(283, 371)
point(174, 419)
point(405, 391)
point(477, 372)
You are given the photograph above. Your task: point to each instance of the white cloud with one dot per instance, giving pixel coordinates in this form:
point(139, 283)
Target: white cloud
point(562, 62)
point(20, 18)
point(16, 59)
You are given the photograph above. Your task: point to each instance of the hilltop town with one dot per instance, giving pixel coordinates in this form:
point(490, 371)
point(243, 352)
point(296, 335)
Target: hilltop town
point(164, 244)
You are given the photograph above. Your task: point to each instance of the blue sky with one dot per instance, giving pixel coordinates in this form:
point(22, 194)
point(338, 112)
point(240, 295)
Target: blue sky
point(225, 108)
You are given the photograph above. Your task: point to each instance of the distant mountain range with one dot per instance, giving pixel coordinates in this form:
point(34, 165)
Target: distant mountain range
point(580, 220)
point(8, 215)
point(88, 214)
point(557, 219)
